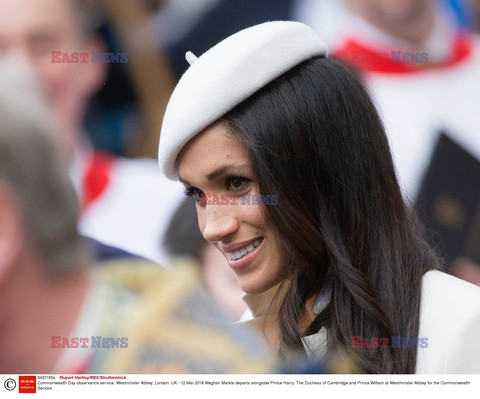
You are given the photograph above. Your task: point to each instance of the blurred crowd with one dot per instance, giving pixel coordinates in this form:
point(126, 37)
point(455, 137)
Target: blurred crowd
point(94, 241)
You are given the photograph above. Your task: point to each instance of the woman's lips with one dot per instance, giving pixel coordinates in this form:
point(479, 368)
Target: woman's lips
point(239, 245)
point(246, 259)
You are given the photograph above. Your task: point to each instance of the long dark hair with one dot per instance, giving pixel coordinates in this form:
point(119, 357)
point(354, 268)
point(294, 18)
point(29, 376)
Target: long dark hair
point(314, 138)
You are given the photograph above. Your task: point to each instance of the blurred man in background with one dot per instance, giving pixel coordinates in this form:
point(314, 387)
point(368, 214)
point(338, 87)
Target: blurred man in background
point(423, 71)
point(42, 276)
point(58, 314)
point(419, 96)
point(124, 203)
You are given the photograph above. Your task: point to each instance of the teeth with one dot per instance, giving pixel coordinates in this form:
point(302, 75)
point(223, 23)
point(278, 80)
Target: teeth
point(243, 251)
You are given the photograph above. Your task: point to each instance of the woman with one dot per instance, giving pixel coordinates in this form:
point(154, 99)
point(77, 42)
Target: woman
point(335, 262)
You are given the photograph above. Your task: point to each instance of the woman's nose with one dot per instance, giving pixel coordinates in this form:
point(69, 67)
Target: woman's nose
point(220, 222)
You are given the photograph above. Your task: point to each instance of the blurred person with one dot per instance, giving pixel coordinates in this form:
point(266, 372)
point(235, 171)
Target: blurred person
point(423, 71)
point(184, 239)
point(125, 203)
point(331, 19)
point(417, 98)
point(58, 313)
point(289, 164)
point(41, 252)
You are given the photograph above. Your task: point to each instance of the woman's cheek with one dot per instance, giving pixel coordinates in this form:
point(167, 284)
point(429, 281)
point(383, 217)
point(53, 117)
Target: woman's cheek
point(201, 218)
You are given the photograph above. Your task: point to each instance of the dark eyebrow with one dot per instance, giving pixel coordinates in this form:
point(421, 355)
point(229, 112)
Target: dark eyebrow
point(212, 175)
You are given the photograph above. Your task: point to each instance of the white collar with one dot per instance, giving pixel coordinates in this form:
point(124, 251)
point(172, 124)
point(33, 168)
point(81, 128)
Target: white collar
point(438, 44)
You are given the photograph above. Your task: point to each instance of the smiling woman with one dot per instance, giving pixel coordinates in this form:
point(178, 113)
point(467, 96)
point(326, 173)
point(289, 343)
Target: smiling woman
point(339, 261)
point(251, 246)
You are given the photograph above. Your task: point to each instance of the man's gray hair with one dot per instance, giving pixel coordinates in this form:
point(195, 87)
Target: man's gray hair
point(32, 165)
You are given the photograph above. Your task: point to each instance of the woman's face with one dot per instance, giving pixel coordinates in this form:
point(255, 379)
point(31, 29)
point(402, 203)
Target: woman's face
point(216, 170)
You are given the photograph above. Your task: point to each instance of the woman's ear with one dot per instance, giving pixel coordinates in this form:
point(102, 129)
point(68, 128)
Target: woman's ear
point(11, 230)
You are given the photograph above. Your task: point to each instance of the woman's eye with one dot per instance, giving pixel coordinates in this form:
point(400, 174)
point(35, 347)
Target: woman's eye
point(195, 193)
point(237, 183)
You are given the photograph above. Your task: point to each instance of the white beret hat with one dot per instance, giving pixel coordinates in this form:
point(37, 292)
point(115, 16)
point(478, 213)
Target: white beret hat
point(228, 74)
